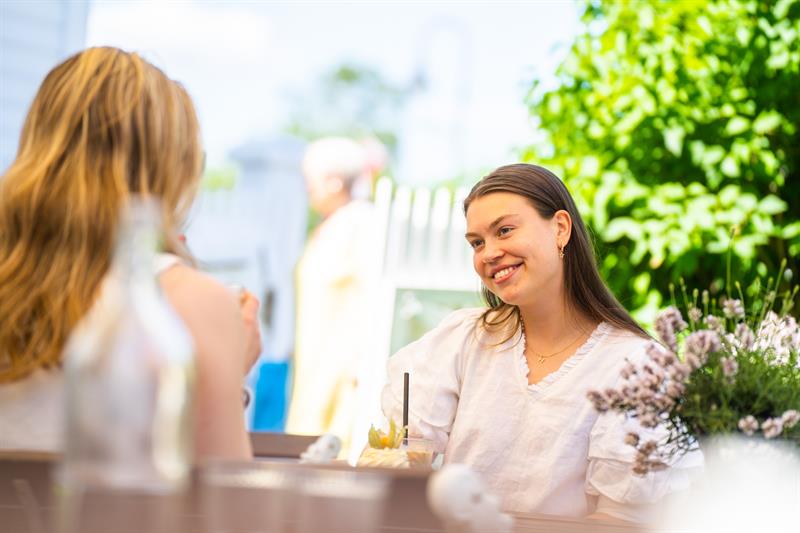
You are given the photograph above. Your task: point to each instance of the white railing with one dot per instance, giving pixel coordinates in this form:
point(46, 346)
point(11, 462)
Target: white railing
point(421, 248)
point(424, 249)
point(424, 237)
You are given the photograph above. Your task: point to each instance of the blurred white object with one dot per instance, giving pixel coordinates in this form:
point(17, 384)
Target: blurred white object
point(749, 484)
point(129, 369)
point(323, 450)
point(458, 497)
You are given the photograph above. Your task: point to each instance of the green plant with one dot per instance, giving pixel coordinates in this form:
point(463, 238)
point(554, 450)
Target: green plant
point(728, 369)
point(675, 125)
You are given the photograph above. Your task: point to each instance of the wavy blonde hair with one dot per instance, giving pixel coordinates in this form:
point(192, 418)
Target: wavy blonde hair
point(105, 124)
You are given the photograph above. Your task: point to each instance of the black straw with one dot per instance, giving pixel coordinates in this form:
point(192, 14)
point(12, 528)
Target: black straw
point(405, 406)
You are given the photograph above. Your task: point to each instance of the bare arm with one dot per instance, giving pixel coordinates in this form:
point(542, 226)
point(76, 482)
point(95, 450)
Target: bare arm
point(211, 313)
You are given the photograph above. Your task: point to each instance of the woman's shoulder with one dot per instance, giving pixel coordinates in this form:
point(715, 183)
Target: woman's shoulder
point(624, 337)
point(453, 331)
point(197, 293)
point(621, 345)
point(461, 322)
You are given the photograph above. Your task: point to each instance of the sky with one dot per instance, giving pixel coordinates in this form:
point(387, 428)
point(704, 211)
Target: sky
point(243, 62)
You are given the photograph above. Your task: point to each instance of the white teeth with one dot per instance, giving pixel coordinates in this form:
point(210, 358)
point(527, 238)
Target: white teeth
point(503, 272)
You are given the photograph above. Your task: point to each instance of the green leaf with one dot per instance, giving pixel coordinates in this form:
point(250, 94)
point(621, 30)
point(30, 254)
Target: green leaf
point(673, 139)
point(622, 227)
point(767, 121)
point(712, 155)
point(730, 167)
point(641, 282)
point(728, 195)
point(737, 125)
point(772, 205)
point(791, 230)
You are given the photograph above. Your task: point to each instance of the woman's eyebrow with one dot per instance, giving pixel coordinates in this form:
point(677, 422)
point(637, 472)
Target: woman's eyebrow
point(493, 225)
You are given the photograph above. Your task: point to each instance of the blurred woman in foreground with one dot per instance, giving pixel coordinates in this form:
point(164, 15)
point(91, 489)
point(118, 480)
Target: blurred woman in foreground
point(106, 125)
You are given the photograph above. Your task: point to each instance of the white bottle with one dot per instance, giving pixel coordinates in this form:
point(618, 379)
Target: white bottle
point(129, 368)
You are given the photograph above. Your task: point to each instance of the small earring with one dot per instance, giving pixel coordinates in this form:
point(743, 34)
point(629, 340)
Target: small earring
point(561, 251)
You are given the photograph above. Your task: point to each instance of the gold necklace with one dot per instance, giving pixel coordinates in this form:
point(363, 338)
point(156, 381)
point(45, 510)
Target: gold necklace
point(541, 358)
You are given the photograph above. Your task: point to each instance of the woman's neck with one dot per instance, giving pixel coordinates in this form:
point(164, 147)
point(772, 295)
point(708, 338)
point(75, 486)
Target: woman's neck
point(552, 322)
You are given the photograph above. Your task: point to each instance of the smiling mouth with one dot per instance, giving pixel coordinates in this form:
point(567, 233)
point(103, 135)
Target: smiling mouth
point(502, 275)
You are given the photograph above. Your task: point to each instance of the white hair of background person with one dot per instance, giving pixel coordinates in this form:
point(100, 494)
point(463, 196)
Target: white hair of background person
point(337, 163)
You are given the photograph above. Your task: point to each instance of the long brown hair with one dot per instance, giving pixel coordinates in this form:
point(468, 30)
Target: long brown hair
point(584, 288)
point(104, 124)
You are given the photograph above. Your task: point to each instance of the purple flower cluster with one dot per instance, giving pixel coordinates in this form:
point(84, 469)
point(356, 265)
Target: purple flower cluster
point(668, 323)
point(771, 427)
point(778, 337)
point(698, 345)
point(732, 308)
point(748, 425)
point(652, 391)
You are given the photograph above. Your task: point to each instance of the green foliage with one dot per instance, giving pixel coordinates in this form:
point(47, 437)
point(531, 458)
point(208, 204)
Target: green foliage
point(675, 126)
point(219, 179)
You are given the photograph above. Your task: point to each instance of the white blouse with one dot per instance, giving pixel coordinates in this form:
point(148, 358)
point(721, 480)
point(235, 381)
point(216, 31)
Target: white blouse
point(541, 448)
point(31, 409)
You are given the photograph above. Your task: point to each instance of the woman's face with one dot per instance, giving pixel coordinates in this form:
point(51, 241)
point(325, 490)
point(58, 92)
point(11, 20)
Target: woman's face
point(515, 250)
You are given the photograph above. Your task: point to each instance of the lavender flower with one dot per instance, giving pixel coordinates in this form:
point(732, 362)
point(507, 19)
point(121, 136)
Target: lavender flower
point(715, 323)
point(612, 397)
point(680, 371)
point(744, 336)
point(732, 308)
point(660, 391)
point(649, 447)
point(675, 389)
point(790, 418)
point(772, 427)
point(778, 337)
point(701, 343)
point(664, 402)
point(648, 420)
point(628, 370)
point(748, 425)
point(669, 322)
point(632, 439)
point(641, 465)
point(694, 361)
point(598, 401)
point(729, 366)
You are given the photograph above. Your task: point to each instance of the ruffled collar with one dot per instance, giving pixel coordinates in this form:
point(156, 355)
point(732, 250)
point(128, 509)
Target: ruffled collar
point(597, 335)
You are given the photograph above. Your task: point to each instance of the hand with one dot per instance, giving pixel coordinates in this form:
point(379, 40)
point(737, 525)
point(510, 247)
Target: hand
point(248, 304)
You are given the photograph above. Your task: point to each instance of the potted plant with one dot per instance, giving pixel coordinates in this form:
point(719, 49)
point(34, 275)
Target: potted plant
point(725, 366)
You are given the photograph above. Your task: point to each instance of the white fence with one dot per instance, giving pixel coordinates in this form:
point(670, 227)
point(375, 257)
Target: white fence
point(423, 251)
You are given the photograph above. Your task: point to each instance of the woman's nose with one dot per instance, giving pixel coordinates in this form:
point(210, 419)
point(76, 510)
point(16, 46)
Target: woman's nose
point(491, 253)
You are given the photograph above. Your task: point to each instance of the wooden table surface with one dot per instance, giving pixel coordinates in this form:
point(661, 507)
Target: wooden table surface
point(241, 498)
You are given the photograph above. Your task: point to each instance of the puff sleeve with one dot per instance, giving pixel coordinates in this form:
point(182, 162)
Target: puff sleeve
point(620, 492)
point(434, 363)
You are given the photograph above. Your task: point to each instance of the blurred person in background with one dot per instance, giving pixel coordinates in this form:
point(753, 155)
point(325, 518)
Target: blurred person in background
point(335, 281)
point(106, 125)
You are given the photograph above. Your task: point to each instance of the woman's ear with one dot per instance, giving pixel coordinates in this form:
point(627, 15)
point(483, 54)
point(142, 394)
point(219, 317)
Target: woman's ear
point(563, 222)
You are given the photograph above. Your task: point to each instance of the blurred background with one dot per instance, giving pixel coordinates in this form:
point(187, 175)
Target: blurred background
point(674, 124)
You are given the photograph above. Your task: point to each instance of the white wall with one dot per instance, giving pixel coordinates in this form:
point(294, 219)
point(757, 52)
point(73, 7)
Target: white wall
point(34, 37)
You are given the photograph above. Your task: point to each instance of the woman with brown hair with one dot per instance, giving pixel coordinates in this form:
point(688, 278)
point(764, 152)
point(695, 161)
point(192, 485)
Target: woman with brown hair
point(106, 125)
point(503, 388)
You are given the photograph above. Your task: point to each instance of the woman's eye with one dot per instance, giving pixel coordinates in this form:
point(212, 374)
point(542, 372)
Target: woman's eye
point(504, 230)
point(476, 243)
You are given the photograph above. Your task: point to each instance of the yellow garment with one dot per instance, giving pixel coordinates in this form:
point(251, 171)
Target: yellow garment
point(335, 281)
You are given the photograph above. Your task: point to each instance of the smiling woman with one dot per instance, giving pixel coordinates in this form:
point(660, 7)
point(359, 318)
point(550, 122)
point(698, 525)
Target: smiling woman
point(503, 388)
